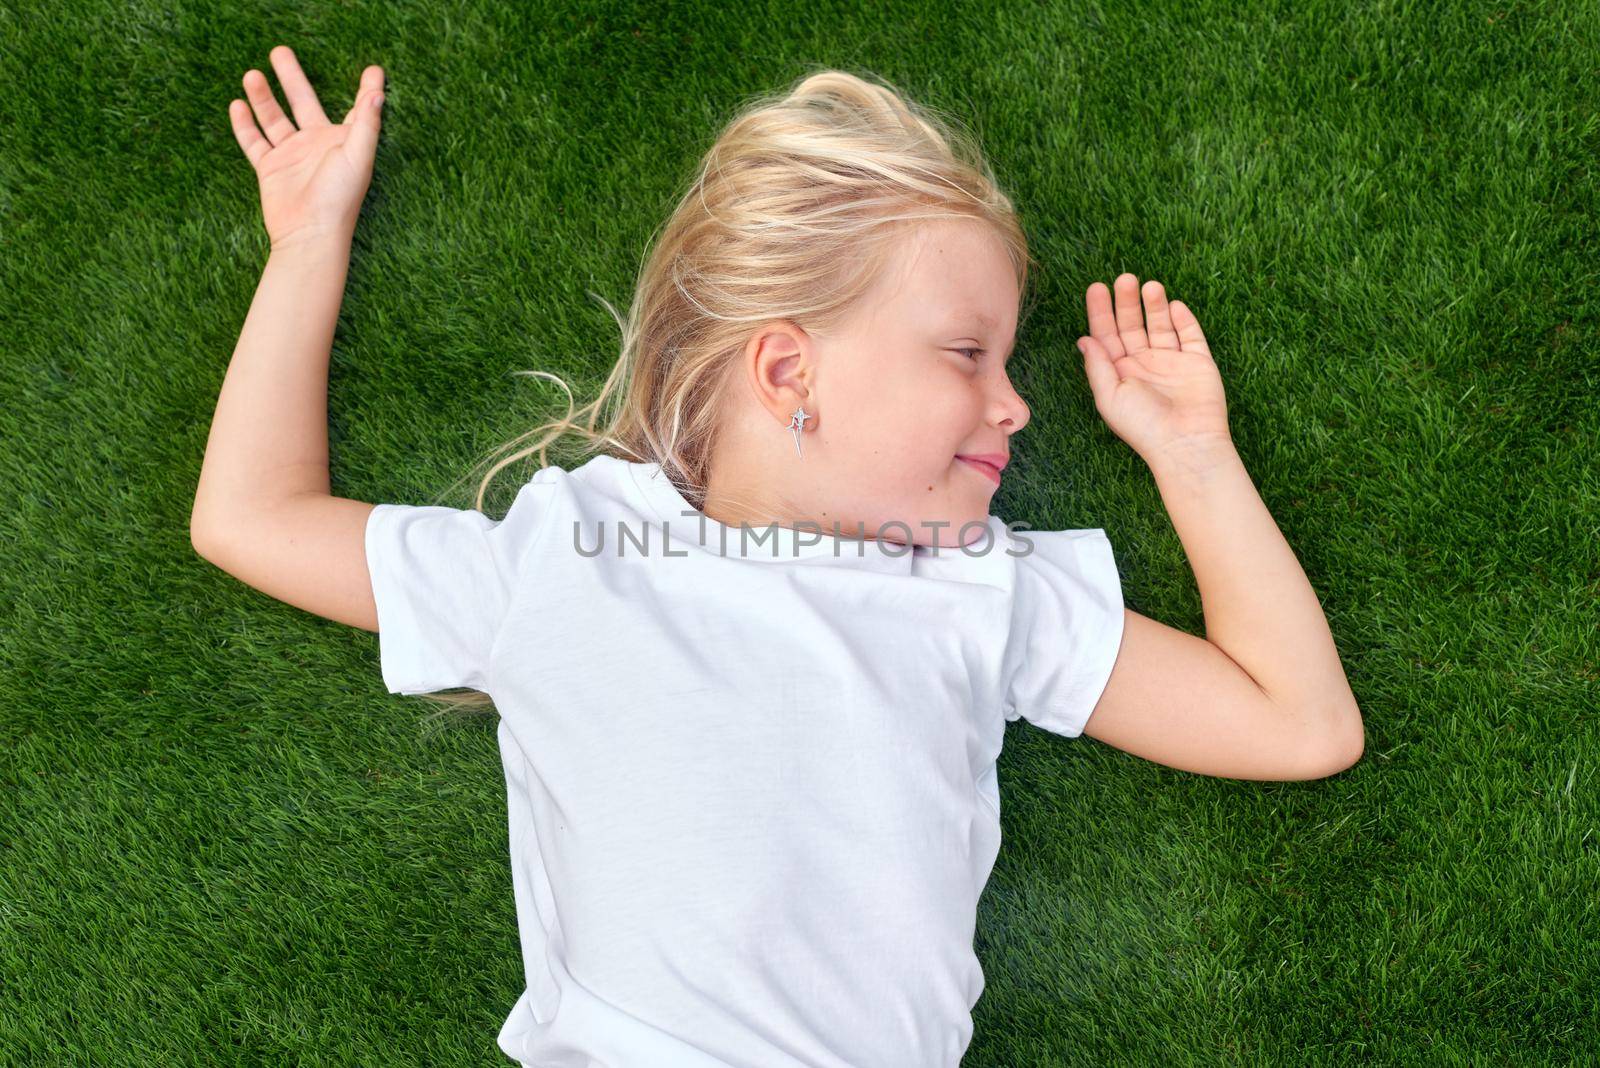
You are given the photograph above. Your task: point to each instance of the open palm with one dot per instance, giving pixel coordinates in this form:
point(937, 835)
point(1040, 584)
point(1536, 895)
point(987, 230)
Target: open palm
point(313, 176)
point(1151, 372)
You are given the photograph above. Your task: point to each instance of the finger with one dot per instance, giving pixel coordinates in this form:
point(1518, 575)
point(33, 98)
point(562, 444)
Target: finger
point(1188, 327)
point(297, 87)
point(246, 133)
point(1099, 367)
point(274, 123)
point(365, 117)
point(1102, 323)
point(1158, 317)
point(371, 85)
point(1130, 317)
point(1104, 373)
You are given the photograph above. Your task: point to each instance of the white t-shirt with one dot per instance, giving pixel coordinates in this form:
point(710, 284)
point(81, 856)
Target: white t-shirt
point(751, 785)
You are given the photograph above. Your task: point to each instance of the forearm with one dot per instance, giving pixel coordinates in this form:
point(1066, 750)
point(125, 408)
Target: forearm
point(1259, 606)
point(269, 436)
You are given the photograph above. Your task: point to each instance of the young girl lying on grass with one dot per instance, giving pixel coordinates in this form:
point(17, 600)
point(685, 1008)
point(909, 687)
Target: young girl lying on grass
point(753, 660)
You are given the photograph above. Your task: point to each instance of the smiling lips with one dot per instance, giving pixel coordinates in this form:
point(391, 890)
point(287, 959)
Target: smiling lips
point(989, 463)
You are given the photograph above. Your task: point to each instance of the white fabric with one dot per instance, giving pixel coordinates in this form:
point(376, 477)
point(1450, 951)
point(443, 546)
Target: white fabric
point(751, 788)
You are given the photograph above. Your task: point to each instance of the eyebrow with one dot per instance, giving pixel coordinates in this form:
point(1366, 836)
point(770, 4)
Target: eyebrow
point(977, 316)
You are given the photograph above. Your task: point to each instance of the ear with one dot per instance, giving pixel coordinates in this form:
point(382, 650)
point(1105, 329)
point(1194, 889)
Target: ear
point(780, 360)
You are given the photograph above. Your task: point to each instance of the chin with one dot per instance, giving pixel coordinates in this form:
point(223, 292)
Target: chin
point(977, 533)
point(952, 536)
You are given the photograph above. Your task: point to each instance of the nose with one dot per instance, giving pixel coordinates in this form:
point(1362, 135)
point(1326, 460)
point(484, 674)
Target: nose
point(1007, 409)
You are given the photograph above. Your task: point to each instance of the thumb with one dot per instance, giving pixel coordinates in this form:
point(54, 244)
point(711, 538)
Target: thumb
point(363, 116)
point(1103, 377)
point(364, 120)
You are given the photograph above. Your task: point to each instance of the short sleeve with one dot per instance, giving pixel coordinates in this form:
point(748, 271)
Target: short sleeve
point(1066, 627)
point(443, 579)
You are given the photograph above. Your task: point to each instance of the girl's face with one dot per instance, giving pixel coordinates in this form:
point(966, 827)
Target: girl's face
point(915, 381)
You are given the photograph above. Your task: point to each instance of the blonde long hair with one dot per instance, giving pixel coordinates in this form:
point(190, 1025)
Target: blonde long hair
point(794, 211)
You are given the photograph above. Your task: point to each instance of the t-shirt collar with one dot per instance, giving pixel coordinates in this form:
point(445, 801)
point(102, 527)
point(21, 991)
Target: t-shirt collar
point(763, 543)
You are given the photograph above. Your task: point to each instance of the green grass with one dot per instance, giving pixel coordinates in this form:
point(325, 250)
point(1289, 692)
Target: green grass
point(222, 842)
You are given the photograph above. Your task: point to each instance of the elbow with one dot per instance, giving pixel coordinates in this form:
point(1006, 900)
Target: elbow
point(204, 530)
point(204, 541)
point(1356, 733)
point(1342, 746)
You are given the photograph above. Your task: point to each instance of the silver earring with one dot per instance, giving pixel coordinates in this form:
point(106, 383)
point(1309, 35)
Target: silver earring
point(797, 423)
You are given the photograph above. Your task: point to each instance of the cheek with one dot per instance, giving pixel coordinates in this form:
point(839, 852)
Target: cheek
point(904, 424)
point(925, 423)
point(952, 404)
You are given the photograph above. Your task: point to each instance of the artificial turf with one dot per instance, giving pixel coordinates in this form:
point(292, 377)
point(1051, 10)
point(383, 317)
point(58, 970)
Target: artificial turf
point(221, 841)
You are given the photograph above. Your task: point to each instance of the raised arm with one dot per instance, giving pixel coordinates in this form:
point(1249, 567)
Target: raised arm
point(1263, 695)
point(263, 510)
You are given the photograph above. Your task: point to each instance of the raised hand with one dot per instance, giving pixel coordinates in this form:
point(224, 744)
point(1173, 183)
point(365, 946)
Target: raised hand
point(1154, 384)
point(313, 175)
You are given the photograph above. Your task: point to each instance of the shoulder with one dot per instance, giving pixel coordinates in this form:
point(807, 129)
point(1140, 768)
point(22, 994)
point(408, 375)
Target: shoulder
point(1011, 556)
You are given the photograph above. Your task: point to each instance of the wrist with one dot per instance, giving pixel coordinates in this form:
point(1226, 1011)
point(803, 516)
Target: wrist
point(1193, 459)
point(314, 240)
